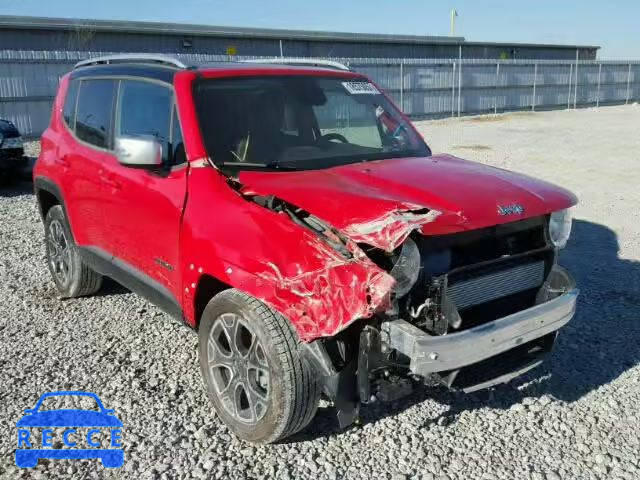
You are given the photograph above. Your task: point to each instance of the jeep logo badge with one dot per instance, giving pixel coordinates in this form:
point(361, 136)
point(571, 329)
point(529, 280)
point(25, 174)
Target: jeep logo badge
point(513, 209)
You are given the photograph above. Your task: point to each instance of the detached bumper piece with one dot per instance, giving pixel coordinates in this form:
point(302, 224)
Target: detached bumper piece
point(528, 334)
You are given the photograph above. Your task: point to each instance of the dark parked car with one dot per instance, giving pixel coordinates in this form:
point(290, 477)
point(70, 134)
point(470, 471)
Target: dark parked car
point(12, 159)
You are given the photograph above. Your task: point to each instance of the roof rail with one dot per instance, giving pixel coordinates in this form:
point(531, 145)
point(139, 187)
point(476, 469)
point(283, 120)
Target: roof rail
point(309, 62)
point(133, 58)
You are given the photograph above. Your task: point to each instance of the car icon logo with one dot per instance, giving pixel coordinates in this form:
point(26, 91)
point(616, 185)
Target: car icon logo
point(85, 432)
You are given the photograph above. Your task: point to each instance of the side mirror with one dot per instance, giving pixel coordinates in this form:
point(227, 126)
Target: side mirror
point(139, 151)
point(30, 410)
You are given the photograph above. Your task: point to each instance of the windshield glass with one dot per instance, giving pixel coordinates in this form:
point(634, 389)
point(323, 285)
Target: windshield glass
point(300, 122)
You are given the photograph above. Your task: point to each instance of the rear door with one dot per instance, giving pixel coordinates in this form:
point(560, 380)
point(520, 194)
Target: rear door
point(145, 206)
point(82, 153)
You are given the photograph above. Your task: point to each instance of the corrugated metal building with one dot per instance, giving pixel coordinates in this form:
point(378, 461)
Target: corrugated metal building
point(33, 33)
point(424, 75)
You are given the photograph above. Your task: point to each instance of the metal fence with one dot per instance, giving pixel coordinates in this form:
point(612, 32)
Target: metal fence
point(426, 88)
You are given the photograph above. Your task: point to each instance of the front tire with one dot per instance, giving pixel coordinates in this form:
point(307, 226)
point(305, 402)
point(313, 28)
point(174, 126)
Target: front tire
point(250, 362)
point(72, 276)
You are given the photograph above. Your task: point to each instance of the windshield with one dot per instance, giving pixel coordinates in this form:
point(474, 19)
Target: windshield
point(300, 122)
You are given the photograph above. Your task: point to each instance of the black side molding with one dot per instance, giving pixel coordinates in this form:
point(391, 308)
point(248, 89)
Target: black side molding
point(132, 278)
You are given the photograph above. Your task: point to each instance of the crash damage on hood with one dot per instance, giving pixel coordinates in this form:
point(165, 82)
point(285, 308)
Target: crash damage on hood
point(345, 284)
point(351, 210)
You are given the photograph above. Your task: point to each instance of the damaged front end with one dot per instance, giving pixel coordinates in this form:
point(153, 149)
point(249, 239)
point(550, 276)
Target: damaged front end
point(388, 305)
point(468, 311)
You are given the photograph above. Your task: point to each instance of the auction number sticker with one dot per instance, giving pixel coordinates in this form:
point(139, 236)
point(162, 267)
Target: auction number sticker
point(360, 88)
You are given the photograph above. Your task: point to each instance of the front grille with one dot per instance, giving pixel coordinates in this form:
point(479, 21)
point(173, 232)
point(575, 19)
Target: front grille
point(477, 246)
point(495, 285)
point(484, 274)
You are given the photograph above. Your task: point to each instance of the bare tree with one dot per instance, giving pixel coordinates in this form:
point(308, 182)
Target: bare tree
point(81, 36)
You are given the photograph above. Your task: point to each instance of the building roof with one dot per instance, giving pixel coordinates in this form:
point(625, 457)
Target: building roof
point(211, 30)
point(45, 23)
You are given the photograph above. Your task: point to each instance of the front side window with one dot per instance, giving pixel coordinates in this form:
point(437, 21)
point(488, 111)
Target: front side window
point(93, 113)
point(144, 109)
point(300, 122)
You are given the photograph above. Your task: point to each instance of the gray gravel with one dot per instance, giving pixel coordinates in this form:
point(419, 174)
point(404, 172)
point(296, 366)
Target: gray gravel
point(575, 418)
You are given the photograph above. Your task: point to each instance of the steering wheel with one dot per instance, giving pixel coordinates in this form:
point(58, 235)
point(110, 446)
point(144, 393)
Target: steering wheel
point(334, 136)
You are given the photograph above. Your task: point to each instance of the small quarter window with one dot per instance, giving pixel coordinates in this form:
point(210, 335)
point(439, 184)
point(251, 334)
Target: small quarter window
point(69, 110)
point(178, 154)
point(93, 114)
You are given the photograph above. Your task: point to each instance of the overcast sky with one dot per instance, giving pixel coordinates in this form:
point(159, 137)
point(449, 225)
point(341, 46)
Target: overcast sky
point(614, 25)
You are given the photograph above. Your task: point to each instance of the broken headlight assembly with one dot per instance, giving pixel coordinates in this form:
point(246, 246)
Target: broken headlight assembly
point(560, 227)
point(406, 268)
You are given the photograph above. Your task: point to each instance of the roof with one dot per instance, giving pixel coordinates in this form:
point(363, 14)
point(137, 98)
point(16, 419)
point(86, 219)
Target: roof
point(126, 26)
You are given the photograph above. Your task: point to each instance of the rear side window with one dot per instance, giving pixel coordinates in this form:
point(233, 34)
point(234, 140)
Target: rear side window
point(94, 112)
point(69, 110)
point(144, 109)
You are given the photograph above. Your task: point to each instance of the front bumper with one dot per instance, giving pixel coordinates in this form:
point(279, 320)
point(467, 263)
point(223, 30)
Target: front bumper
point(434, 354)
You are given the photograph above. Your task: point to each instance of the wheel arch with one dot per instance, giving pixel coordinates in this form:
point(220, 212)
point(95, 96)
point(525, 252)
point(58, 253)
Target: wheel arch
point(47, 194)
point(207, 287)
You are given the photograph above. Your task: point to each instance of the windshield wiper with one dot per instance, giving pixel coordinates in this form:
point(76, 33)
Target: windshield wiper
point(270, 165)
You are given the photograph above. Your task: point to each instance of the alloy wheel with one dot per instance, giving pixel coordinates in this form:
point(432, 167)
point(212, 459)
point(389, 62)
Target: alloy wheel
point(59, 252)
point(239, 369)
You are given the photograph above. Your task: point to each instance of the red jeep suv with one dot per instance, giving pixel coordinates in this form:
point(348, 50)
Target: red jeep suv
point(296, 219)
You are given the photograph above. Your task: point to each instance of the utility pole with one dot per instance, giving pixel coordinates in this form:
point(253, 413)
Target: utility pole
point(454, 14)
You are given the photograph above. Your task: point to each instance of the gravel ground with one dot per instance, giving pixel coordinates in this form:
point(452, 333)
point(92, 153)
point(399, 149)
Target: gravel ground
point(575, 418)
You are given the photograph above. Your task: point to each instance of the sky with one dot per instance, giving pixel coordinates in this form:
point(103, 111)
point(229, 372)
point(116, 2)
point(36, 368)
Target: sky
point(613, 25)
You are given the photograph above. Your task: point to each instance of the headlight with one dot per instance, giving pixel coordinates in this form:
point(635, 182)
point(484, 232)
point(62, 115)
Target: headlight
point(406, 268)
point(560, 227)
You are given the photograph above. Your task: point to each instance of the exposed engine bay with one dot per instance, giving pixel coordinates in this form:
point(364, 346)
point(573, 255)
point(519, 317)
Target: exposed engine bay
point(448, 287)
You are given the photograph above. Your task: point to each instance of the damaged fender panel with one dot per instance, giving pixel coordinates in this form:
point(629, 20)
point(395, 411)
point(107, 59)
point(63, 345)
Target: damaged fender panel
point(391, 229)
point(323, 301)
point(267, 255)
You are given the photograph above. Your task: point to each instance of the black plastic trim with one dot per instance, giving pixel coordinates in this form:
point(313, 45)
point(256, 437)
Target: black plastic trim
point(132, 278)
point(48, 185)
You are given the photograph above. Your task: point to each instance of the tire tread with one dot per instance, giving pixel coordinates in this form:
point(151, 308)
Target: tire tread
point(86, 281)
point(301, 392)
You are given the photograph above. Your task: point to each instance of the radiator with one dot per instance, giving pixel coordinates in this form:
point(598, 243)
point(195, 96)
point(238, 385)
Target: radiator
point(485, 288)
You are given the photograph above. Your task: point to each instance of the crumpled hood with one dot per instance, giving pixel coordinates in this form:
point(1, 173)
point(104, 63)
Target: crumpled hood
point(381, 202)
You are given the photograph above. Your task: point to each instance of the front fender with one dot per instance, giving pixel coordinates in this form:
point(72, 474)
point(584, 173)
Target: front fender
point(268, 256)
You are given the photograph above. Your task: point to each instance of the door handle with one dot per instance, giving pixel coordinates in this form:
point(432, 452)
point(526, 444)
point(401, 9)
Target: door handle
point(113, 183)
point(63, 161)
point(109, 180)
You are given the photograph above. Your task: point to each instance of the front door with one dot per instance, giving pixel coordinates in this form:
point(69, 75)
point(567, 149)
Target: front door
point(144, 206)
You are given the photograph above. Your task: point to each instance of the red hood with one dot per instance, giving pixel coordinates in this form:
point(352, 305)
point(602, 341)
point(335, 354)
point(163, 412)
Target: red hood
point(363, 199)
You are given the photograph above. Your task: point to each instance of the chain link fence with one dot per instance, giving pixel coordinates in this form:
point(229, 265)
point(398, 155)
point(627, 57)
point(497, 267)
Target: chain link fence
point(424, 88)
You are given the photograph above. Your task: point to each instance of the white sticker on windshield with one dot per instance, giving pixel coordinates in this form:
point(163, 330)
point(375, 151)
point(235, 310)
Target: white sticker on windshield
point(360, 88)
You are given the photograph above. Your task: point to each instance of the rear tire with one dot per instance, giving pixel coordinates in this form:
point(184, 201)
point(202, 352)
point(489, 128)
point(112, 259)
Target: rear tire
point(70, 273)
point(249, 349)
